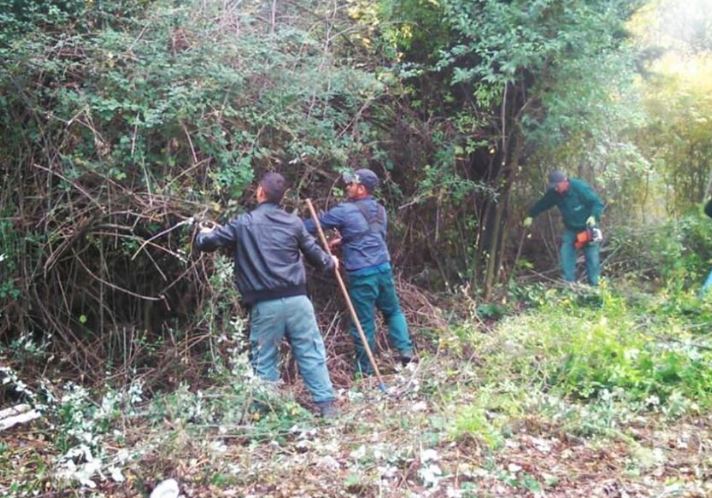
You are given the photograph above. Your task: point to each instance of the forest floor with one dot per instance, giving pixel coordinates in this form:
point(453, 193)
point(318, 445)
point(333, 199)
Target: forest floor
point(456, 424)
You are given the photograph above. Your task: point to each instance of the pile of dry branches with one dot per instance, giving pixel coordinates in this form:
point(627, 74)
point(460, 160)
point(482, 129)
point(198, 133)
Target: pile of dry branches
point(115, 289)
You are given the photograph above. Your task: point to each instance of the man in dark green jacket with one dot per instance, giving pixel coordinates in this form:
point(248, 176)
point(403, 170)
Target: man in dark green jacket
point(581, 208)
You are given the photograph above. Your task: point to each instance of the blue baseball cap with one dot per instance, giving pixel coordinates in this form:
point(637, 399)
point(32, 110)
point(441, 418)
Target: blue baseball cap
point(364, 176)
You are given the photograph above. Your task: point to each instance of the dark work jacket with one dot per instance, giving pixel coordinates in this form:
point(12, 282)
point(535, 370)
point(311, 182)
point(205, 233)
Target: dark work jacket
point(576, 204)
point(267, 244)
point(708, 208)
point(362, 225)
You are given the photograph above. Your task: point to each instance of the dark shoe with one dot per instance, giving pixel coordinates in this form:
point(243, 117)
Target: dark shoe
point(327, 409)
point(406, 358)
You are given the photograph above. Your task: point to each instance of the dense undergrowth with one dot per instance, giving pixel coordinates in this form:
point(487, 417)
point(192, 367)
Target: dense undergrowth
point(574, 363)
point(570, 366)
point(592, 360)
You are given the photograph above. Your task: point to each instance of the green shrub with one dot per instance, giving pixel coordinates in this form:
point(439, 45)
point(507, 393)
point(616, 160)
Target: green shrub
point(677, 253)
point(472, 420)
point(583, 352)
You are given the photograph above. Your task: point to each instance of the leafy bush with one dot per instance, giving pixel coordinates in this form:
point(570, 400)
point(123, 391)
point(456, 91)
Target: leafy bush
point(122, 120)
point(577, 351)
point(677, 253)
point(588, 360)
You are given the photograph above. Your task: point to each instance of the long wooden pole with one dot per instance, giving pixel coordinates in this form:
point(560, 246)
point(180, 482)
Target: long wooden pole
point(345, 293)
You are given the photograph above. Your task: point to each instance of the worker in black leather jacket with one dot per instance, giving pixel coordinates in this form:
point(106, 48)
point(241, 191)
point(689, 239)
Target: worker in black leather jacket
point(267, 244)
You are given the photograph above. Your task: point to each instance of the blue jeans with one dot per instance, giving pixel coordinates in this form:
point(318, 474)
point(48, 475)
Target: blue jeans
point(591, 252)
point(367, 293)
point(294, 318)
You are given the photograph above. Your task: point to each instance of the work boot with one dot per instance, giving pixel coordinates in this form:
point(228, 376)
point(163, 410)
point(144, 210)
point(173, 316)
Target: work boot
point(327, 409)
point(406, 357)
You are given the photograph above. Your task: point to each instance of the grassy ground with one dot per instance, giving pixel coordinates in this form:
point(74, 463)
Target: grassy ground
point(581, 394)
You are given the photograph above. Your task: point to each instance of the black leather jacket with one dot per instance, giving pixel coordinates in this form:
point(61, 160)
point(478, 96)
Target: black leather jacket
point(267, 245)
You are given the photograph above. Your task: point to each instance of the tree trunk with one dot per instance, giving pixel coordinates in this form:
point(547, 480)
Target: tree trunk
point(507, 174)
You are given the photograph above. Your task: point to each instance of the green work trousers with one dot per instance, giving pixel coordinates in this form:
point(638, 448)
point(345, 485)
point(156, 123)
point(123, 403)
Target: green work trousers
point(591, 252)
point(293, 318)
point(367, 293)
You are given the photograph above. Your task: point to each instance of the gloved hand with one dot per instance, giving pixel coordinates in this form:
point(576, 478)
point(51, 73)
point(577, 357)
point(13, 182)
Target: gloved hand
point(591, 221)
point(527, 221)
point(207, 226)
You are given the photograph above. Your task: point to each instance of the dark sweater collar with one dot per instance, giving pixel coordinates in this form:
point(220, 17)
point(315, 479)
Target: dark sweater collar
point(267, 206)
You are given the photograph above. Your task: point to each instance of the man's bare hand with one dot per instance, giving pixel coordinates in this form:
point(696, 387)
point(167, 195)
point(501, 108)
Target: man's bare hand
point(334, 243)
point(336, 262)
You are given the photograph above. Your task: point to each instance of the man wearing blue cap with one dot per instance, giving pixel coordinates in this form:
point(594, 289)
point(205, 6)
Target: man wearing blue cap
point(362, 223)
point(581, 209)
